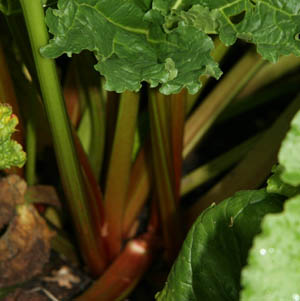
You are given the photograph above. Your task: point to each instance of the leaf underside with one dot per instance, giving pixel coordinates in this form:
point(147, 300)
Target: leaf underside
point(215, 250)
point(166, 42)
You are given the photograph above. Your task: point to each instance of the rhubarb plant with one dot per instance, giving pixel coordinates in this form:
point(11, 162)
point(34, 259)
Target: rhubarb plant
point(120, 135)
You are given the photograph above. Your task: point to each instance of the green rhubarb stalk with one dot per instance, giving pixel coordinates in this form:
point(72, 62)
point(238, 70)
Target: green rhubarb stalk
point(17, 27)
point(215, 167)
point(84, 130)
point(253, 170)
point(31, 141)
point(138, 190)
point(177, 112)
point(68, 163)
point(204, 116)
point(174, 107)
point(270, 73)
point(117, 180)
point(63, 246)
point(112, 101)
point(90, 84)
point(71, 95)
point(163, 174)
point(94, 194)
point(278, 90)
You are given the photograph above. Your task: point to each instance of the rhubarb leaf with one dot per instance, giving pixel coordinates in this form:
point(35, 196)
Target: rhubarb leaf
point(131, 45)
point(273, 270)
point(273, 25)
point(11, 153)
point(289, 154)
point(276, 185)
point(215, 250)
point(166, 42)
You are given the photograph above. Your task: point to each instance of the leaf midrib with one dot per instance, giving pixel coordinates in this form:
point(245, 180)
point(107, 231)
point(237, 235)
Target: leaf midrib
point(127, 28)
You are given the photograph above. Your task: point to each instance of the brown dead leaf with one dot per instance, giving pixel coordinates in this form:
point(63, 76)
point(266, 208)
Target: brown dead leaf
point(11, 194)
point(25, 245)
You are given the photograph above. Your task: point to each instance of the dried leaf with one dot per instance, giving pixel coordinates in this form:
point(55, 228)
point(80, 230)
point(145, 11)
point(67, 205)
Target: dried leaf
point(25, 245)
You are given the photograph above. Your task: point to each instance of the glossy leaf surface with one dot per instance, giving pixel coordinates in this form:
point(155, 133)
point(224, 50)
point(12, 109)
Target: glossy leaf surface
point(215, 250)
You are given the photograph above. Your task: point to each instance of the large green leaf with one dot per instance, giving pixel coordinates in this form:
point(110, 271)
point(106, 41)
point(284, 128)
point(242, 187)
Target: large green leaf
point(289, 152)
point(273, 25)
point(166, 41)
point(130, 46)
point(273, 272)
point(11, 153)
point(215, 250)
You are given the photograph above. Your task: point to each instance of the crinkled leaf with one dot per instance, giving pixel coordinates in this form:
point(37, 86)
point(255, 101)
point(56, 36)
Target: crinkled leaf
point(11, 153)
point(273, 25)
point(273, 270)
point(215, 250)
point(276, 185)
point(289, 156)
point(166, 41)
point(131, 45)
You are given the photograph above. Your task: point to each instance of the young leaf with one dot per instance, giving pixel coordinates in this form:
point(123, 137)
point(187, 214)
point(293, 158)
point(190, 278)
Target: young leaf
point(168, 44)
point(11, 153)
point(209, 264)
point(273, 271)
